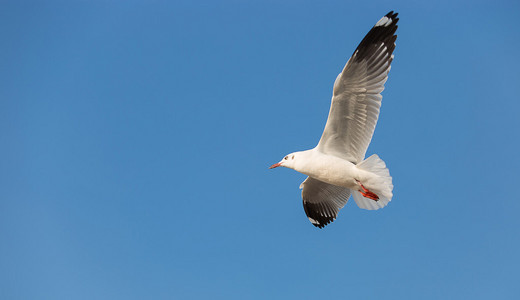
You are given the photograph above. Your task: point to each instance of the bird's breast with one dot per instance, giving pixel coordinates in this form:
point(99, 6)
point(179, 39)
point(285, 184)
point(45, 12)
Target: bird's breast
point(333, 170)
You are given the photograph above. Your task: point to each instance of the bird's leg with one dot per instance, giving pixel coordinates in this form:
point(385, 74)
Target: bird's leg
point(366, 193)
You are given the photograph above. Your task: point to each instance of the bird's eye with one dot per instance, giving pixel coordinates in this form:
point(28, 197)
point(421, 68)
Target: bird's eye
point(286, 157)
point(292, 157)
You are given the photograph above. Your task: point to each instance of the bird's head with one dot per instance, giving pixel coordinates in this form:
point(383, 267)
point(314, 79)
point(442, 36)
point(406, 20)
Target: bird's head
point(288, 161)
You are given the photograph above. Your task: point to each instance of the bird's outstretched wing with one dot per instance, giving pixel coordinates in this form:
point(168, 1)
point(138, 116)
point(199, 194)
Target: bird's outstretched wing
point(322, 201)
point(357, 93)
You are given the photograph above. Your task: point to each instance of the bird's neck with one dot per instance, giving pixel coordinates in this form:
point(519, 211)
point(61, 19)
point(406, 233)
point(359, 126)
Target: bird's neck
point(304, 160)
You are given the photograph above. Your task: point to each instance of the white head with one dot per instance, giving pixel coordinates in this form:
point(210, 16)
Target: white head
point(288, 161)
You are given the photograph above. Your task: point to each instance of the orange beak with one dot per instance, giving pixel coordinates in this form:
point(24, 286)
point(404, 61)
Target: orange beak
point(275, 165)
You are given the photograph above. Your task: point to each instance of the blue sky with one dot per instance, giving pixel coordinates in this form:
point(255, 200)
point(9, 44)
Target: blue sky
point(136, 138)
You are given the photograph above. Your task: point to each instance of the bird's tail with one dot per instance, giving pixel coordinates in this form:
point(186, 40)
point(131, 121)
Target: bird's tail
point(381, 185)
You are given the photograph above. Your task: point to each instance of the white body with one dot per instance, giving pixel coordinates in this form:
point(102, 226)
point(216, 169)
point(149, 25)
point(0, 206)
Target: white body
point(333, 170)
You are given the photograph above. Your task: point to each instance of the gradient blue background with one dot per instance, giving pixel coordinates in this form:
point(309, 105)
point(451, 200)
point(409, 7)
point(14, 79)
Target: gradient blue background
point(136, 136)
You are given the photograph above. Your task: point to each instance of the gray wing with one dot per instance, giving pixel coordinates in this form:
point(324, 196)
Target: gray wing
point(322, 201)
point(356, 98)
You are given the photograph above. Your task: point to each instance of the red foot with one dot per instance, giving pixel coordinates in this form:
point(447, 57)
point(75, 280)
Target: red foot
point(368, 194)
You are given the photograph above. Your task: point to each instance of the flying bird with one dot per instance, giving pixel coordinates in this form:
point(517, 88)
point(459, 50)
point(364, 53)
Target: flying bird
point(336, 167)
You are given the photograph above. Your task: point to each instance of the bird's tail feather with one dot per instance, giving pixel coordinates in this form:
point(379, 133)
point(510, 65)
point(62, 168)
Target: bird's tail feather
point(382, 185)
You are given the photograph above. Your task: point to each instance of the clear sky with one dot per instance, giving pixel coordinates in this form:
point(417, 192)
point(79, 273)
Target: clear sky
point(136, 138)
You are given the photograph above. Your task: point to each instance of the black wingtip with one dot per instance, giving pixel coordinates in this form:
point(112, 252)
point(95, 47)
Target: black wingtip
point(315, 213)
point(321, 226)
point(382, 32)
point(391, 15)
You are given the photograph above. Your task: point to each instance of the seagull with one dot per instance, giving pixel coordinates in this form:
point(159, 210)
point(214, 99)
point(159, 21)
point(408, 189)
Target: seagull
point(336, 167)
